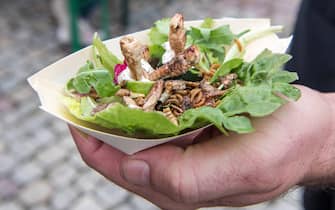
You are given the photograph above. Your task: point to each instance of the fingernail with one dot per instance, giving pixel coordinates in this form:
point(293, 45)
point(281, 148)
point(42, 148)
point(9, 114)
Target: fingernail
point(136, 172)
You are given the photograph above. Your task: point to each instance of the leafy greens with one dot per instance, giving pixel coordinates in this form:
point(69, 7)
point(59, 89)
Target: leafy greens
point(262, 85)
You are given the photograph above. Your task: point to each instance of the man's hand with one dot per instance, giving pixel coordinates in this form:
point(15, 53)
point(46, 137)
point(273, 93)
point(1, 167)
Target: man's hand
point(292, 146)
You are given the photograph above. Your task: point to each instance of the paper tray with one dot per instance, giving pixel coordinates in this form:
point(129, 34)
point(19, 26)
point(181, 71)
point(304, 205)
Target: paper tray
point(50, 81)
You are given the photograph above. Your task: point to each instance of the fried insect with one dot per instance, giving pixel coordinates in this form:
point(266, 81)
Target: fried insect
point(210, 90)
point(197, 97)
point(133, 51)
point(178, 65)
point(130, 102)
point(239, 45)
point(228, 80)
point(153, 96)
point(208, 75)
point(168, 114)
point(177, 110)
point(175, 85)
point(177, 34)
point(139, 101)
point(124, 92)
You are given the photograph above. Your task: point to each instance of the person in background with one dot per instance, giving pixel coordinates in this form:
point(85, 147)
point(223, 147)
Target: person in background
point(62, 15)
point(313, 50)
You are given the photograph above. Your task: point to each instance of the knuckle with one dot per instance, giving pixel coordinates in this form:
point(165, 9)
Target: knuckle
point(263, 176)
point(182, 186)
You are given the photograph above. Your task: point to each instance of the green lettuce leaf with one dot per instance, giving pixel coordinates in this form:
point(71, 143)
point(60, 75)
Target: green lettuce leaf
point(159, 32)
point(287, 90)
point(207, 23)
point(105, 58)
point(99, 79)
point(196, 118)
point(148, 124)
point(239, 124)
point(212, 40)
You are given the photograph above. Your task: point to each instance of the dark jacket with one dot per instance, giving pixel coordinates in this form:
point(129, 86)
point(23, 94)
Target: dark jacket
point(313, 46)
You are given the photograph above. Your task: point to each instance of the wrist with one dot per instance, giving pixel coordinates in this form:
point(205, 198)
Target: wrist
point(321, 170)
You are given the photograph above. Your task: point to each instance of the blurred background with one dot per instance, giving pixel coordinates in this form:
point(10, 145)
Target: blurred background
point(40, 168)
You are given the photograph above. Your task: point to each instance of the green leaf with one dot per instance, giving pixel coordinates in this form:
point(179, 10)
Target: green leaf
point(87, 67)
point(139, 87)
point(212, 40)
point(239, 124)
point(226, 68)
point(87, 104)
point(243, 33)
point(284, 76)
point(194, 118)
point(244, 72)
point(287, 90)
point(69, 87)
point(134, 122)
point(196, 35)
point(81, 85)
point(97, 58)
point(222, 35)
point(156, 37)
point(232, 104)
point(156, 51)
point(260, 77)
point(158, 34)
point(254, 94)
point(108, 59)
point(206, 33)
point(207, 23)
point(147, 124)
point(163, 26)
point(102, 83)
point(261, 109)
point(99, 79)
point(108, 100)
point(268, 61)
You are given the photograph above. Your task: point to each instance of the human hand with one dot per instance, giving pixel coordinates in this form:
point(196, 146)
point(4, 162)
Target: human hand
point(287, 149)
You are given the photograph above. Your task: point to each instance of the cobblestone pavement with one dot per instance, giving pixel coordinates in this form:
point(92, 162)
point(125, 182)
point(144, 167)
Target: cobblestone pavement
point(40, 168)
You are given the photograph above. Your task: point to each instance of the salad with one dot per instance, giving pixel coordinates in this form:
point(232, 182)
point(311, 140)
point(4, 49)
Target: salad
point(185, 79)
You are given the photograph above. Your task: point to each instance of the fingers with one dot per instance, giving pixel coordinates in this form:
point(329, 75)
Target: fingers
point(98, 155)
point(107, 161)
point(174, 178)
point(206, 171)
point(84, 142)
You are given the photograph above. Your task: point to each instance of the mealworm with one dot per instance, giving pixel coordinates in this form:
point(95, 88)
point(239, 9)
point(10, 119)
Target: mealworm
point(197, 97)
point(200, 102)
point(168, 114)
point(182, 92)
point(239, 45)
point(177, 109)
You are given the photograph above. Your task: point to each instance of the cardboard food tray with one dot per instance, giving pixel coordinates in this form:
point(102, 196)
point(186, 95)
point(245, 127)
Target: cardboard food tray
point(50, 82)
